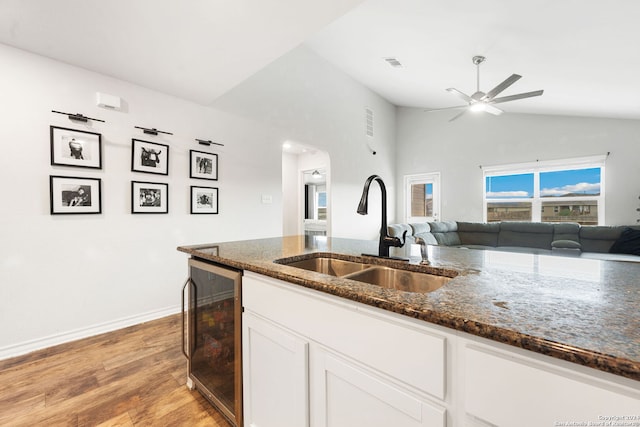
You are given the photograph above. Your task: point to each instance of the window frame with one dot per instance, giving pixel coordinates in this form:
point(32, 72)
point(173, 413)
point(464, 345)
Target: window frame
point(422, 178)
point(537, 168)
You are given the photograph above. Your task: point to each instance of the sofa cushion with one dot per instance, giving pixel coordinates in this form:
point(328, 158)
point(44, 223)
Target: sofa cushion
point(445, 232)
point(566, 231)
point(422, 229)
point(627, 243)
point(566, 244)
point(598, 238)
point(526, 234)
point(478, 234)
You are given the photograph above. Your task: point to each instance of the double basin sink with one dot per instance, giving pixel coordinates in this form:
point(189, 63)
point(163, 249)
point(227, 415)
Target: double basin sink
point(362, 271)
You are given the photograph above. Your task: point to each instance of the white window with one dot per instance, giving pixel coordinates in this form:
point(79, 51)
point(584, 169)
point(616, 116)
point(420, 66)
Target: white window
point(422, 197)
point(570, 190)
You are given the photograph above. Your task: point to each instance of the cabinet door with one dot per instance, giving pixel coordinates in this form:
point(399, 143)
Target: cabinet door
point(345, 395)
point(275, 375)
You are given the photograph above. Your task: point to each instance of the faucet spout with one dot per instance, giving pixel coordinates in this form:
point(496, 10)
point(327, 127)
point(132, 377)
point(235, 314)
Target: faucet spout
point(386, 241)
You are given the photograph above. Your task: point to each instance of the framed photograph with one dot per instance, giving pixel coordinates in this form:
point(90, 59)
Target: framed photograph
point(149, 197)
point(72, 147)
point(203, 165)
point(204, 200)
point(149, 157)
point(75, 195)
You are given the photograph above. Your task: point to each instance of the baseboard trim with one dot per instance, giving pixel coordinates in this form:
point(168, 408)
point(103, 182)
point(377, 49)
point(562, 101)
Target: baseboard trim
point(52, 340)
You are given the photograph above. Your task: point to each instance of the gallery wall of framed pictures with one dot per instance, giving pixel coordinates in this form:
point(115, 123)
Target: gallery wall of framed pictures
point(76, 148)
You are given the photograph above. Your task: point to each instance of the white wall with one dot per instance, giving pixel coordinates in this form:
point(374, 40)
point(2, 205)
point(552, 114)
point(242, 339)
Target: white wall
point(290, 198)
point(65, 277)
point(430, 143)
point(322, 107)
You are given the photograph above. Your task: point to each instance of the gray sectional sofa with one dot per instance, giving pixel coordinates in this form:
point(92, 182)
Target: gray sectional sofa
point(570, 239)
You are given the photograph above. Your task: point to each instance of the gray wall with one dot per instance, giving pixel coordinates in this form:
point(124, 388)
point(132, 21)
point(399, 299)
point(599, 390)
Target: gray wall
point(428, 142)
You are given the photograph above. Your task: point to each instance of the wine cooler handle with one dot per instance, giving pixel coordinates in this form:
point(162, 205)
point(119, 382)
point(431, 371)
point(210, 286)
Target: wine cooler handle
point(183, 336)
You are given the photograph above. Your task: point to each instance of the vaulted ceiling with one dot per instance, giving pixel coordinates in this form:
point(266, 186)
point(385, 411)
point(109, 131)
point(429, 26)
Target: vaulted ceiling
point(583, 53)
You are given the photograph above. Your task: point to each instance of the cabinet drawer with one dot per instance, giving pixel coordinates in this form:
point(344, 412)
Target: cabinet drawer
point(406, 352)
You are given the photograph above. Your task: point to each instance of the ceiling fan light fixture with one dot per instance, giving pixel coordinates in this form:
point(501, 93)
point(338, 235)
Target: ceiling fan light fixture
point(478, 106)
point(481, 101)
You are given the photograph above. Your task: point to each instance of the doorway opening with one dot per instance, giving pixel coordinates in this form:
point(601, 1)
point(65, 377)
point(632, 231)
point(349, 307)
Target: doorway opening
point(306, 192)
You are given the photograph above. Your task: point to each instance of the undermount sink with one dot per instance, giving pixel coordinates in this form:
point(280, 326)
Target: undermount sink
point(331, 266)
point(383, 276)
point(401, 280)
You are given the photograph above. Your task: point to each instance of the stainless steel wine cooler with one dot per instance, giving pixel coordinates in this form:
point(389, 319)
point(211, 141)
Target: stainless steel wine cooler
point(212, 342)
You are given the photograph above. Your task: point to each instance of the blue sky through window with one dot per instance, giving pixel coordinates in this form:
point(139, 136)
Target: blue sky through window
point(510, 186)
point(577, 182)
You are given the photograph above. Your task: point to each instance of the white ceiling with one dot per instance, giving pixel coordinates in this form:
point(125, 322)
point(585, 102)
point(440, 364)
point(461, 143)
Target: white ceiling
point(193, 49)
point(583, 53)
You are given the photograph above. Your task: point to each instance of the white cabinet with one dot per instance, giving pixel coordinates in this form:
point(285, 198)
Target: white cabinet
point(345, 395)
point(366, 369)
point(504, 389)
point(312, 359)
point(275, 375)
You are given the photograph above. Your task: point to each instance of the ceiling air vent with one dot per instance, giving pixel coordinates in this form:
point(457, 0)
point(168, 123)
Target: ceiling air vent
point(393, 62)
point(368, 121)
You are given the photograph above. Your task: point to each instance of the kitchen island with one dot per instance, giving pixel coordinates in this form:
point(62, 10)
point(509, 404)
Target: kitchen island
point(501, 315)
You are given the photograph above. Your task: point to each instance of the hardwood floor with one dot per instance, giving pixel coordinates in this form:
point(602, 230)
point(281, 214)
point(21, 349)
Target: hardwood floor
point(132, 377)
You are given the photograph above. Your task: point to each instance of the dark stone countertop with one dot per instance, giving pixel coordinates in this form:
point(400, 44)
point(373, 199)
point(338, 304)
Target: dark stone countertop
point(580, 310)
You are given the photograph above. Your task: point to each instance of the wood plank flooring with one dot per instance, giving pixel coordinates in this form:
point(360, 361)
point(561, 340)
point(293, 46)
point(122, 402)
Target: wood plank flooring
point(131, 377)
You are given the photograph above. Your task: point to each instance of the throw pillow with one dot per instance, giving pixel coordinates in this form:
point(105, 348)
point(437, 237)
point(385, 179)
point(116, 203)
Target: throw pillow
point(627, 243)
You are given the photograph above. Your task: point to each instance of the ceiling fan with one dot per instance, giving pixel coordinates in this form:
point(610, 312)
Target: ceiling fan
point(481, 101)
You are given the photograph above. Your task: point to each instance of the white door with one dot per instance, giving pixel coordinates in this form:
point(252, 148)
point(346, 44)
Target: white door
point(275, 391)
point(344, 395)
point(422, 197)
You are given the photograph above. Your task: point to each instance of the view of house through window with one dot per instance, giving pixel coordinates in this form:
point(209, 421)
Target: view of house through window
point(569, 191)
point(422, 197)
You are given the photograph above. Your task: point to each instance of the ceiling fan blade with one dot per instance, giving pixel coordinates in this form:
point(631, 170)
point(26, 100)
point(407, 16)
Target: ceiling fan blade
point(517, 96)
point(492, 110)
point(502, 86)
point(459, 114)
point(459, 94)
point(445, 108)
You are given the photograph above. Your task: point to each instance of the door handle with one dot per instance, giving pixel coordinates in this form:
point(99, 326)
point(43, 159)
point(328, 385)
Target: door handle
point(183, 336)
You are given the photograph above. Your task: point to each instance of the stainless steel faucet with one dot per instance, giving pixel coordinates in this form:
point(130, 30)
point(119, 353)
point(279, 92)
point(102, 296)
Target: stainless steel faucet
point(423, 250)
point(386, 241)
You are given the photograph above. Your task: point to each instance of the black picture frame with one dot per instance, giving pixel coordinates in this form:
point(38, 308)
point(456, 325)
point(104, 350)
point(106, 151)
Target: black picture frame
point(204, 200)
point(75, 195)
point(149, 157)
point(76, 148)
point(149, 197)
point(203, 165)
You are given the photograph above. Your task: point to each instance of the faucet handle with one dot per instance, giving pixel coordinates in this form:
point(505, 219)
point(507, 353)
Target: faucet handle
point(395, 241)
point(404, 238)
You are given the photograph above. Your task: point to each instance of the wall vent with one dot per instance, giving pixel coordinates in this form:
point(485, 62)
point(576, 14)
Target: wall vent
point(393, 62)
point(368, 121)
